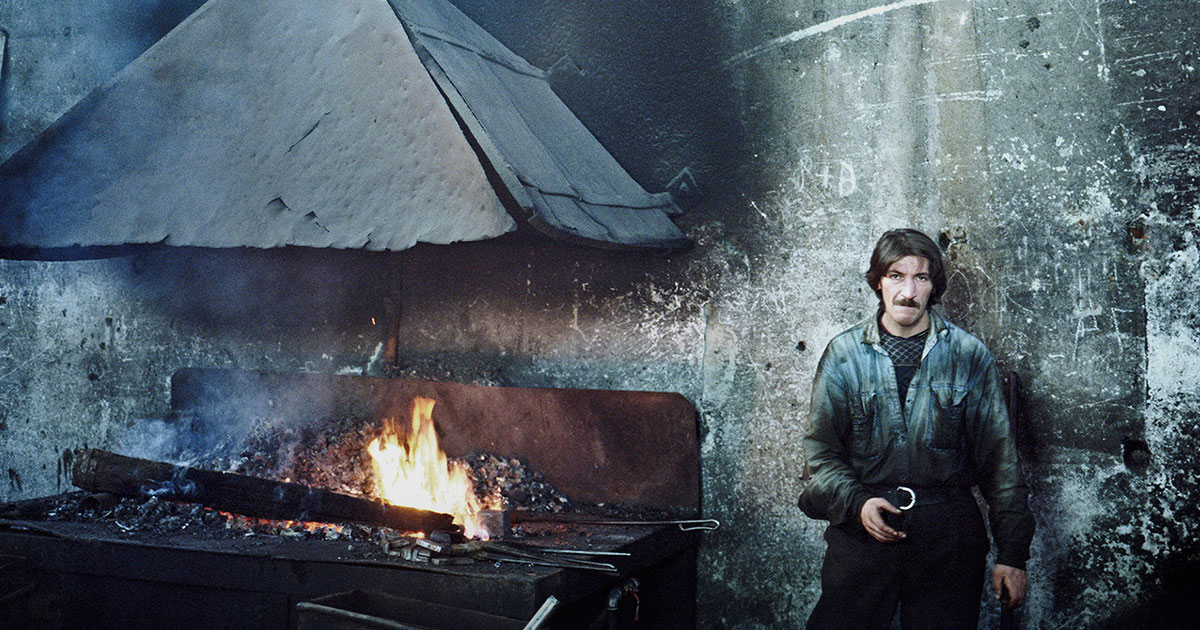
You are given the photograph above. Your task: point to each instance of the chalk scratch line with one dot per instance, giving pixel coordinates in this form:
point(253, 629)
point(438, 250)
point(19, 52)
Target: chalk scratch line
point(823, 27)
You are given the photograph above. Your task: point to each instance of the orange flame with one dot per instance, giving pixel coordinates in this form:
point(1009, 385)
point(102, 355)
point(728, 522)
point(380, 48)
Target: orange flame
point(411, 470)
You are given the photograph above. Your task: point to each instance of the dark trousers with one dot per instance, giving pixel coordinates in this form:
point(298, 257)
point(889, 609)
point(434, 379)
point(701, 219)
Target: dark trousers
point(935, 575)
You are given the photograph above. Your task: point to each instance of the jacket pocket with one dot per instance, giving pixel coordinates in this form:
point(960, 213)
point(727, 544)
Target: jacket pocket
point(862, 425)
point(946, 430)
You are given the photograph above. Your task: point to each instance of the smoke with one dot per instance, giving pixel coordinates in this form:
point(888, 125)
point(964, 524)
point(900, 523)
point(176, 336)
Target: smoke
point(209, 426)
point(190, 440)
point(150, 439)
point(251, 422)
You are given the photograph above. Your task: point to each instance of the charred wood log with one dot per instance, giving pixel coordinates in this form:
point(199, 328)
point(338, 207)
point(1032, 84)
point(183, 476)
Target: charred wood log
point(103, 471)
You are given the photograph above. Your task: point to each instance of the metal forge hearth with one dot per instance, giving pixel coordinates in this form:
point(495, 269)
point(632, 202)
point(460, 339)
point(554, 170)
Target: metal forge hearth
point(618, 455)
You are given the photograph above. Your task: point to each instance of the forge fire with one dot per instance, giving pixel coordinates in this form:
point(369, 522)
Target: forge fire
point(265, 485)
point(411, 470)
point(294, 481)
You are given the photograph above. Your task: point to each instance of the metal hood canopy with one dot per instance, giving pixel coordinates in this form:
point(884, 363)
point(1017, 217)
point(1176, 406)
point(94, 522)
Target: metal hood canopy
point(551, 164)
point(322, 124)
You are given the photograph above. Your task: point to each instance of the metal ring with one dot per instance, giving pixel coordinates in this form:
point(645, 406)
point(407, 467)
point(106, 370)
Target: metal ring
point(912, 497)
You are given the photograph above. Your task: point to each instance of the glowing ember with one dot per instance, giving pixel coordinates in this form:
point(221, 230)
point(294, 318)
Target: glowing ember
point(411, 470)
point(239, 521)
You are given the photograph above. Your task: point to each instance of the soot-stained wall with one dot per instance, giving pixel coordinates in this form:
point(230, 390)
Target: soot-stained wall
point(1051, 147)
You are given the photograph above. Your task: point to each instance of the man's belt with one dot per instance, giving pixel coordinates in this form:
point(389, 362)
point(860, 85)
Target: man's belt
point(908, 497)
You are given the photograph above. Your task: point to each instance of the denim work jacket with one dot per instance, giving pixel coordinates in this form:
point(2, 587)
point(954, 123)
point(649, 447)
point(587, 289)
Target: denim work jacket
point(953, 431)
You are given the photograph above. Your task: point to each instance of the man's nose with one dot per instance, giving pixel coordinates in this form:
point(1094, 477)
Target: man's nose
point(908, 288)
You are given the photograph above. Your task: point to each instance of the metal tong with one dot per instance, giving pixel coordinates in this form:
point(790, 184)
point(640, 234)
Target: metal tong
point(687, 525)
point(494, 551)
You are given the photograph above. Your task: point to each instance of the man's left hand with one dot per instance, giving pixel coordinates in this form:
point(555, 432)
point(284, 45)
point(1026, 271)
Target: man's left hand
point(1011, 579)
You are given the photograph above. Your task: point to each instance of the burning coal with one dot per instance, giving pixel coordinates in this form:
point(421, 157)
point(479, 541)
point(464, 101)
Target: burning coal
point(397, 460)
point(413, 471)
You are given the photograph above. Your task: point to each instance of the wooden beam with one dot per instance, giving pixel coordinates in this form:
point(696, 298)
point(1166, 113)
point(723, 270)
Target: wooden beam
point(103, 471)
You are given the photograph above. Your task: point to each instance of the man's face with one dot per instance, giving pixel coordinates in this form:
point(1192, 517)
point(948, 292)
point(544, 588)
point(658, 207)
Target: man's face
point(906, 287)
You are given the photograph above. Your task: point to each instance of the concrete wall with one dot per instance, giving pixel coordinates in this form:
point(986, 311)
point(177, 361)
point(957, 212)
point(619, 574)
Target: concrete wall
point(1050, 146)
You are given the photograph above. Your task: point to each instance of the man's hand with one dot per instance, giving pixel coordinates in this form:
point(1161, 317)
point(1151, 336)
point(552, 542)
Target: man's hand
point(872, 519)
point(1011, 579)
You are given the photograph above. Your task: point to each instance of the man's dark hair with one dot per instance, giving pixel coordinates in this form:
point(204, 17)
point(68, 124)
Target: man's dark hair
point(896, 244)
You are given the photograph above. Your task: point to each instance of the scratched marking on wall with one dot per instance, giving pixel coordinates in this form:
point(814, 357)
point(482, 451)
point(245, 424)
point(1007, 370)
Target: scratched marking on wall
point(823, 27)
point(824, 177)
point(1095, 32)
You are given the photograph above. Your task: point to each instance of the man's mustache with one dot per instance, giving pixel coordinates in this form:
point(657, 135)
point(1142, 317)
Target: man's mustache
point(906, 302)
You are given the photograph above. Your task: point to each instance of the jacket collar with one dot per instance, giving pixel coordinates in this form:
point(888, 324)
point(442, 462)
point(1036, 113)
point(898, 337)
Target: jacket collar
point(871, 335)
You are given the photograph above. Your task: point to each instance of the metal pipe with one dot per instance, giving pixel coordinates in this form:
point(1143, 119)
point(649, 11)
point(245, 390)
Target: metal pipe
point(542, 614)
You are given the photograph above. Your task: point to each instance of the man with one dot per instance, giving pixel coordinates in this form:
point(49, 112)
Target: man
point(907, 415)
